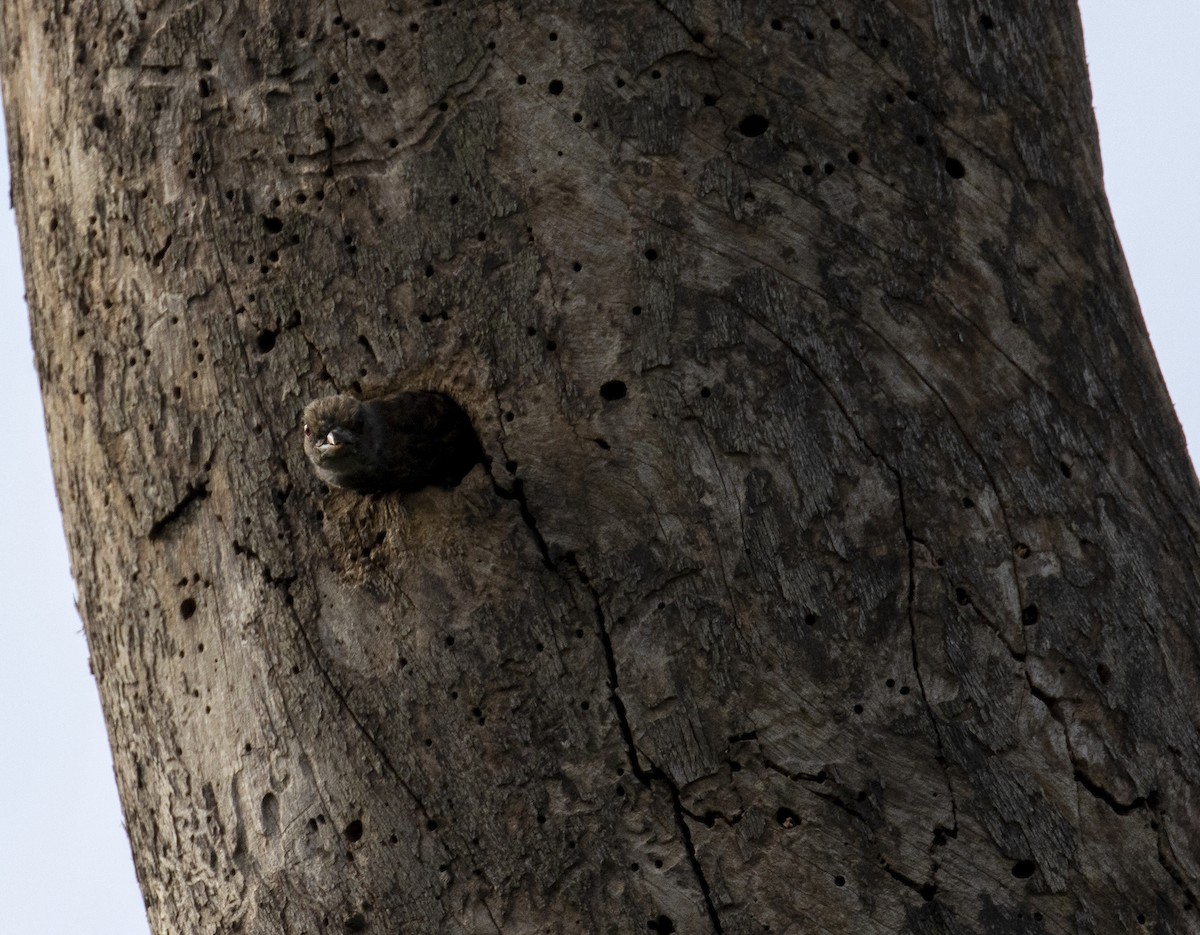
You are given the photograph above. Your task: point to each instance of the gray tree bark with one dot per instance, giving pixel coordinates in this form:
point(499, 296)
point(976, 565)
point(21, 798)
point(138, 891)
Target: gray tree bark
point(834, 569)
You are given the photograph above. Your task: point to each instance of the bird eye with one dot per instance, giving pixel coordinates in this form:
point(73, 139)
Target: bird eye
point(307, 430)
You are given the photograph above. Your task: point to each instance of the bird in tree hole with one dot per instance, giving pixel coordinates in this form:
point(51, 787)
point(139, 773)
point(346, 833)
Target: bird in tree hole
point(404, 442)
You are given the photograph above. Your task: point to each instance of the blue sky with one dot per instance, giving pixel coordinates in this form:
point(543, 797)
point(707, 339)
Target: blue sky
point(65, 865)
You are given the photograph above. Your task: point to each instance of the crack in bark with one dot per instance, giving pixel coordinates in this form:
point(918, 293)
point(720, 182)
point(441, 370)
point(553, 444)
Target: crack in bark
point(285, 583)
point(1150, 800)
point(196, 491)
point(821, 777)
point(910, 602)
point(646, 776)
point(910, 599)
point(926, 890)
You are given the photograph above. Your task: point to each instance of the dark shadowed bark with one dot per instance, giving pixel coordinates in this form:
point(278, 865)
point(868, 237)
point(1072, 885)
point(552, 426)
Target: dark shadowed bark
point(833, 568)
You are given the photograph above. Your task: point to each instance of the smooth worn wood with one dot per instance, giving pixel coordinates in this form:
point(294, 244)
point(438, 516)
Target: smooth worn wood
point(834, 567)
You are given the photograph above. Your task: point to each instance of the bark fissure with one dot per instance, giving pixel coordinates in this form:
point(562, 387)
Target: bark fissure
point(284, 583)
point(195, 491)
point(910, 614)
point(655, 772)
point(568, 568)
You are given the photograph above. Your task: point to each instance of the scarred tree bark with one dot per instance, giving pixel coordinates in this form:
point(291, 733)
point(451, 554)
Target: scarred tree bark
point(834, 569)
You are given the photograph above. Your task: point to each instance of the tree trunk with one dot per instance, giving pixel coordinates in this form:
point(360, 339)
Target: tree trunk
point(834, 567)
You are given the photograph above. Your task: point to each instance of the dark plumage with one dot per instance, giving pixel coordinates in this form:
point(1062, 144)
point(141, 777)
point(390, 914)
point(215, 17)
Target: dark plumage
point(401, 442)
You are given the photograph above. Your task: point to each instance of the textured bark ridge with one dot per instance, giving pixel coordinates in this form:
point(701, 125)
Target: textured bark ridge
point(834, 569)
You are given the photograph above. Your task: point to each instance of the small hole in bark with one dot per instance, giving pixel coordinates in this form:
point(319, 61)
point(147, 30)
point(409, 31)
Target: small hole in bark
point(551, 346)
point(858, 709)
point(954, 168)
point(376, 82)
point(753, 125)
point(786, 818)
point(839, 880)
point(705, 392)
point(521, 79)
point(968, 502)
point(356, 922)
point(1022, 550)
point(354, 830)
point(650, 254)
point(636, 310)
point(1024, 869)
point(710, 100)
point(777, 24)
point(555, 87)
point(577, 266)
point(829, 168)
point(661, 924)
point(962, 597)
point(986, 21)
point(1104, 673)
point(613, 390)
point(1029, 615)
point(265, 341)
point(187, 607)
point(1065, 468)
point(449, 640)
point(205, 90)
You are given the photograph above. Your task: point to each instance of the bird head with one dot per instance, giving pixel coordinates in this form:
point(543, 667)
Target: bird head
point(333, 429)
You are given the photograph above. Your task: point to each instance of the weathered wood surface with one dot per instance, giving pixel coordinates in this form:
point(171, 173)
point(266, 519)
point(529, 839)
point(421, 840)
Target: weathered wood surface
point(836, 567)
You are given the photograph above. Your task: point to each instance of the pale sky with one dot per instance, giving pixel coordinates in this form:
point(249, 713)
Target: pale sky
point(65, 866)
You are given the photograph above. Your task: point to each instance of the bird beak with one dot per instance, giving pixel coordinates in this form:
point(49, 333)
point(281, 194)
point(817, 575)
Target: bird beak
point(329, 443)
